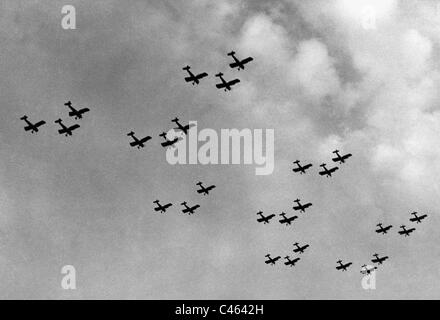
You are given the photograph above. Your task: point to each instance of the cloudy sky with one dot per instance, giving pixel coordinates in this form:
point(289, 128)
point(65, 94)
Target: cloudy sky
point(322, 78)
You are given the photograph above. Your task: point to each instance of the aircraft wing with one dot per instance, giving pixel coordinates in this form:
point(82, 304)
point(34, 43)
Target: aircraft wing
point(220, 85)
point(145, 139)
point(232, 82)
point(202, 75)
point(38, 124)
point(244, 61)
point(190, 78)
point(233, 65)
point(75, 126)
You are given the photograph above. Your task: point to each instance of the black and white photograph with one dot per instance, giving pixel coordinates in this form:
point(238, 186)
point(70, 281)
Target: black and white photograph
point(207, 150)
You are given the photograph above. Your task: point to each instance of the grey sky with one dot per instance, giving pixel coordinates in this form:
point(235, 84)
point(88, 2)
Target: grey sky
point(318, 78)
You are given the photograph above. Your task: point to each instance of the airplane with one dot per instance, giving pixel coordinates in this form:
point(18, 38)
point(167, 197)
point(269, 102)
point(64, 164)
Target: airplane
point(76, 113)
point(342, 266)
point(291, 262)
point(167, 142)
point(139, 143)
point(300, 249)
point(286, 220)
point(161, 208)
point(405, 231)
point(382, 229)
point(239, 64)
point(339, 158)
point(301, 169)
point(204, 190)
point(417, 219)
point(189, 210)
point(180, 127)
point(66, 130)
point(271, 260)
point(366, 270)
point(195, 79)
point(300, 206)
point(378, 260)
point(31, 126)
point(264, 219)
point(227, 85)
point(327, 172)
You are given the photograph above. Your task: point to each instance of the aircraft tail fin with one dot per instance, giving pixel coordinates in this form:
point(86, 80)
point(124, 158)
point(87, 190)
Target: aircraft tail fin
point(24, 117)
point(219, 74)
point(231, 53)
point(186, 68)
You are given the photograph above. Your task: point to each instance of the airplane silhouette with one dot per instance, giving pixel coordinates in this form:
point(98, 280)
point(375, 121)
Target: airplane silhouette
point(339, 158)
point(301, 207)
point(225, 84)
point(180, 127)
point(161, 208)
point(291, 262)
point(271, 260)
point(189, 210)
point(31, 126)
point(286, 220)
point(417, 219)
point(301, 169)
point(204, 190)
point(327, 172)
point(300, 249)
point(264, 219)
point(167, 142)
point(378, 260)
point(239, 64)
point(76, 113)
point(366, 270)
point(342, 266)
point(139, 143)
point(382, 229)
point(66, 130)
point(195, 79)
point(405, 231)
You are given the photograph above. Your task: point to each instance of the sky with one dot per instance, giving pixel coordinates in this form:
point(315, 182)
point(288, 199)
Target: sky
point(324, 76)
